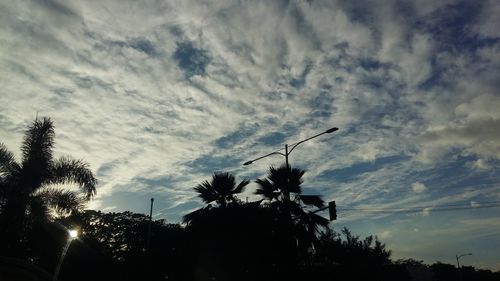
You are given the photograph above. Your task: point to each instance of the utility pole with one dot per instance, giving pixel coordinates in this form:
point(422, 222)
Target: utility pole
point(287, 153)
point(148, 243)
point(459, 256)
point(458, 263)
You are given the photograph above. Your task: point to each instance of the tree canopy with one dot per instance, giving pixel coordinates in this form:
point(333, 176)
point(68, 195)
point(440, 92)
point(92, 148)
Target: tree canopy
point(32, 190)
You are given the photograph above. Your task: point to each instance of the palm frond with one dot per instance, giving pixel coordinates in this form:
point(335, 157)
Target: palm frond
point(7, 162)
point(223, 184)
point(38, 142)
point(221, 188)
point(62, 201)
point(267, 189)
point(206, 192)
point(286, 179)
point(241, 186)
point(295, 180)
point(66, 170)
point(37, 210)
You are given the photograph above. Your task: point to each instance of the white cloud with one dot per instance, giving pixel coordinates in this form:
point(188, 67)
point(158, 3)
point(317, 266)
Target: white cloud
point(105, 72)
point(480, 165)
point(386, 234)
point(129, 110)
point(426, 211)
point(474, 204)
point(489, 20)
point(477, 137)
point(418, 187)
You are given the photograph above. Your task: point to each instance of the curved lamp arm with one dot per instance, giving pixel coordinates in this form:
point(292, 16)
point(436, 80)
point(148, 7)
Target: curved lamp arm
point(315, 136)
point(272, 153)
point(331, 130)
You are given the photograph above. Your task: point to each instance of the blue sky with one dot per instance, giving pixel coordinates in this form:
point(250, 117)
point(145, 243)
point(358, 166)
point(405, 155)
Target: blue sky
point(157, 95)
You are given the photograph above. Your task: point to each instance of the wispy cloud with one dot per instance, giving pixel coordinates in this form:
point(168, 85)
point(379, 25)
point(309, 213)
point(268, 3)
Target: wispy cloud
point(157, 95)
point(418, 187)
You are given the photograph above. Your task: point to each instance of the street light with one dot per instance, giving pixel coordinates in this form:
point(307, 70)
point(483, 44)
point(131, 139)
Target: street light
point(287, 152)
point(459, 256)
point(148, 240)
point(73, 234)
point(331, 205)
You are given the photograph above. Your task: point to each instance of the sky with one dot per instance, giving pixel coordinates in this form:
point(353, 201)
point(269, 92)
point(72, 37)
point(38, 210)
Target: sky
point(158, 95)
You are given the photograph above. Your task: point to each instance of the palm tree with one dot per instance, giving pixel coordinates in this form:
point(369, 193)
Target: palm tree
point(279, 183)
point(33, 190)
point(221, 189)
point(277, 189)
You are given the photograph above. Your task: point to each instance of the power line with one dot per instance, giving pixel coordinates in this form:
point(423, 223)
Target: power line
point(421, 210)
point(418, 209)
point(427, 206)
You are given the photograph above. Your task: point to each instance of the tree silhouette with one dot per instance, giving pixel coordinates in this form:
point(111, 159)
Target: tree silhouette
point(279, 186)
point(348, 257)
point(230, 240)
point(32, 190)
point(121, 238)
point(296, 227)
point(221, 189)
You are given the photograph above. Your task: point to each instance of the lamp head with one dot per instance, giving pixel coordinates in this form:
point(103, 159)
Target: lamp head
point(73, 233)
point(247, 163)
point(332, 130)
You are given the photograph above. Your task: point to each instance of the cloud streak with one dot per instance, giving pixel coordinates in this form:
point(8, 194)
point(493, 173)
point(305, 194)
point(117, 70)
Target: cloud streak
point(157, 95)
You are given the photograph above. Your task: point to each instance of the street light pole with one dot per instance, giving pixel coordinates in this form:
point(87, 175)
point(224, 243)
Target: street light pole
point(149, 227)
point(331, 205)
point(73, 234)
point(288, 151)
point(286, 154)
point(458, 263)
point(459, 256)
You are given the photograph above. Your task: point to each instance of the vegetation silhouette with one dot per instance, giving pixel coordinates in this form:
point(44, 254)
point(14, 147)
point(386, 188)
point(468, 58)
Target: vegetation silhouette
point(346, 256)
point(118, 242)
point(230, 239)
point(295, 226)
point(31, 190)
point(222, 189)
point(217, 249)
point(276, 237)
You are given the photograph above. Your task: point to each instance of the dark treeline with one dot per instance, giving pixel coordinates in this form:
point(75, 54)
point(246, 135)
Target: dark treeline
point(278, 237)
point(112, 246)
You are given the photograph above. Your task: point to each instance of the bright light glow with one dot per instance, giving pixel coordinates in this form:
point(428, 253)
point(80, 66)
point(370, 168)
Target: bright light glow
point(73, 233)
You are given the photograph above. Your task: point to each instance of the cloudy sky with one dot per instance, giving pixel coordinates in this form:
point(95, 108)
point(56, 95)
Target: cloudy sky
point(157, 95)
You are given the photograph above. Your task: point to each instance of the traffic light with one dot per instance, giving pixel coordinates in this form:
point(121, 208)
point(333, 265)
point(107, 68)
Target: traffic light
point(332, 209)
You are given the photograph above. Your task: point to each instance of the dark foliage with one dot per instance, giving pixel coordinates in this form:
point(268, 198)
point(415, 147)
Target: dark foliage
point(344, 255)
point(291, 209)
point(276, 238)
point(119, 241)
point(31, 192)
point(221, 189)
